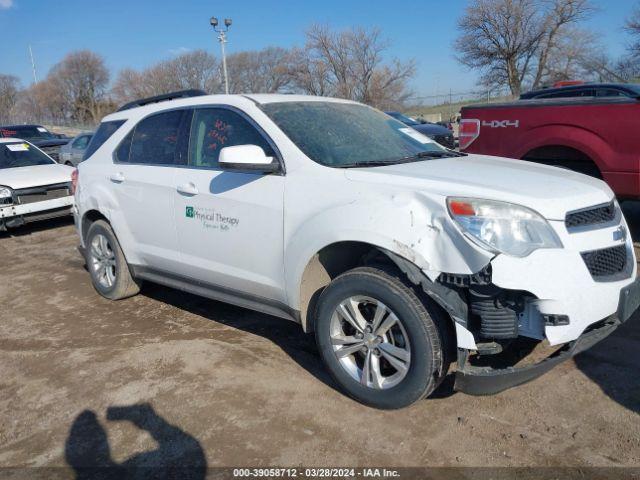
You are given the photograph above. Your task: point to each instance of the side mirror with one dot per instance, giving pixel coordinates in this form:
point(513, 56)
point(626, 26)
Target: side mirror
point(247, 158)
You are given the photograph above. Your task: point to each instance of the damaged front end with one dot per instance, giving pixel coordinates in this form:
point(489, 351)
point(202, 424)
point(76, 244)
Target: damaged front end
point(501, 333)
point(511, 348)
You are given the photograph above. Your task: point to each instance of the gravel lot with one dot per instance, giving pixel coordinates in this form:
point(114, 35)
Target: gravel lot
point(210, 384)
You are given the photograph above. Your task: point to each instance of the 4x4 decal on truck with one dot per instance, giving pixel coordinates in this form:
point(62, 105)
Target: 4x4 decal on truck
point(211, 219)
point(501, 123)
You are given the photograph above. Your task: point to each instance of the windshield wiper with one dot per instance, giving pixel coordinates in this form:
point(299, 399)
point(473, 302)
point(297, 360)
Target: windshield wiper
point(407, 159)
point(432, 154)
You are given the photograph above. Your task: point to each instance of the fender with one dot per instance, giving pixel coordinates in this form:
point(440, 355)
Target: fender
point(583, 140)
point(411, 225)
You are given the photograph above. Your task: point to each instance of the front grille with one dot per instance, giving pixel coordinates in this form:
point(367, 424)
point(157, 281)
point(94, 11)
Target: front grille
point(41, 194)
point(591, 216)
point(606, 262)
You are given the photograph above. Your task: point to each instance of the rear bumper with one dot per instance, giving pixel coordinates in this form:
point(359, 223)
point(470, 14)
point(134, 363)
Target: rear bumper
point(487, 381)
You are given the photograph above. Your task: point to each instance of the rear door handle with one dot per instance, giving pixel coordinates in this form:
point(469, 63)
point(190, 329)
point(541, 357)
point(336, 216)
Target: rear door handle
point(117, 177)
point(188, 189)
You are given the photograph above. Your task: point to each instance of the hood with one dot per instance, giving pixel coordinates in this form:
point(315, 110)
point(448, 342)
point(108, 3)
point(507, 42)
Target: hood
point(550, 191)
point(36, 176)
point(432, 129)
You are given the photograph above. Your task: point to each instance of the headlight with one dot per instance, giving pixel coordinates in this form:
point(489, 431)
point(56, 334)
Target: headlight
point(502, 227)
point(5, 193)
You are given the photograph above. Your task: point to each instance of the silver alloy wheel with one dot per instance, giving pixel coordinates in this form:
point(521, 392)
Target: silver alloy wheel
point(370, 342)
point(103, 260)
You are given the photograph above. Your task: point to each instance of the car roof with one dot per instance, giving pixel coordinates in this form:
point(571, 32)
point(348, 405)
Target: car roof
point(232, 100)
point(11, 140)
point(627, 87)
point(29, 125)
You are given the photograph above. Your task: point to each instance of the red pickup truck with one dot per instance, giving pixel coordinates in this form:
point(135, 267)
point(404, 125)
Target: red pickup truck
point(596, 136)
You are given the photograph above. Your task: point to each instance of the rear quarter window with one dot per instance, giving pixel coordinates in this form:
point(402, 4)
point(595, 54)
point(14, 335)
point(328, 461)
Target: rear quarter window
point(104, 132)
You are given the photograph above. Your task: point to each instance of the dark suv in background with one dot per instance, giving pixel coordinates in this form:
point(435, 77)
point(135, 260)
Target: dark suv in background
point(435, 132)
point(628, 90)
point(38, 135)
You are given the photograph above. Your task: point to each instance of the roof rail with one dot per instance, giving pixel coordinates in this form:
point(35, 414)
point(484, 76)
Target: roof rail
point(162, 98)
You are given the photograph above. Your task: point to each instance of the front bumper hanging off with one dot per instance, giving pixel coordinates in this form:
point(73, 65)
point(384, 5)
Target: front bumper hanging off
point(476, 380)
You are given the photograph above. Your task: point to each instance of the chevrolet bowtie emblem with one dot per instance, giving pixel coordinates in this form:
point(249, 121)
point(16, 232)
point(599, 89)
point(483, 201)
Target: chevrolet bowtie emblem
point(620, 233)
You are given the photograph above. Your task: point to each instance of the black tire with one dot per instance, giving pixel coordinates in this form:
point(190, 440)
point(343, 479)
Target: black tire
point(124, 285)
point(69, 164)
point(422, 323)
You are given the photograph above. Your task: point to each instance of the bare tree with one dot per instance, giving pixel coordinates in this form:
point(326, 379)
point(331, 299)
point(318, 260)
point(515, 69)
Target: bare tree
point(81, 79)
point(42, 102)
point(9, 87)
point(633, 28)
point(191, 70)
point(264, 71)
point(310, 75)
point(510, 41)
point(351, 64)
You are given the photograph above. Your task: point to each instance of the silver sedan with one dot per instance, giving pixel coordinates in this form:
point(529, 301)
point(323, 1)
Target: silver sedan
point(72, 153)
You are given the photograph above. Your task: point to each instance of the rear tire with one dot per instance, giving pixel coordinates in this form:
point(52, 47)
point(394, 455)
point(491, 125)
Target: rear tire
point(106, 263)
point(385, 360)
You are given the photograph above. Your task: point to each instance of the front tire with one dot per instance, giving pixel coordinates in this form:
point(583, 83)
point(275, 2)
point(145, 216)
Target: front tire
point(378, 340)
point(107, 265)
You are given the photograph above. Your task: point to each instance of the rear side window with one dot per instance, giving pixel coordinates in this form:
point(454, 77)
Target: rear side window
point(610, 92)
point(215, 128)
point(155, 140)
point(81, 142)
point(570, 94)
point(104, 132)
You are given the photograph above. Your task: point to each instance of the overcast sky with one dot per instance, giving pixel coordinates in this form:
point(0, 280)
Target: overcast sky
point(137, 33)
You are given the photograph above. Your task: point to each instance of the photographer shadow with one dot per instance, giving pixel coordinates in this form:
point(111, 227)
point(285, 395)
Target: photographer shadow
point(178, 456)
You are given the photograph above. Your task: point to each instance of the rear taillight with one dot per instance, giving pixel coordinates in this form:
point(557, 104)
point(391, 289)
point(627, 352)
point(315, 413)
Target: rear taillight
point(469, 131)
point(74, 181)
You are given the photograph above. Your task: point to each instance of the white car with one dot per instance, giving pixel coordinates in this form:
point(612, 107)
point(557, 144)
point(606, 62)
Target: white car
point(399, 254)
point(32, 185)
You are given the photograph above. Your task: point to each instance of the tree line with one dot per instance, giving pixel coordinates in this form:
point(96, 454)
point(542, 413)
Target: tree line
point(352, 63)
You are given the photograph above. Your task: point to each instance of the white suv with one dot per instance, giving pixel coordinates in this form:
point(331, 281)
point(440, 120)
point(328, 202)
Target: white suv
point(399, 254)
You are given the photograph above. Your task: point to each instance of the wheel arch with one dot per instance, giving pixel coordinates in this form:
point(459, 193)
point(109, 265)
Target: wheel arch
point(586, 143)
point(338, 257)
point(89, 217)
point(564, 156)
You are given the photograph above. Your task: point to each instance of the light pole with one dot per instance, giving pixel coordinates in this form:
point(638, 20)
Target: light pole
point(222, 37)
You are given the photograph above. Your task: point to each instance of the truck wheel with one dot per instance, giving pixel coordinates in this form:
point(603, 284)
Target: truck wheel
point(106, 263)
point(380, 343)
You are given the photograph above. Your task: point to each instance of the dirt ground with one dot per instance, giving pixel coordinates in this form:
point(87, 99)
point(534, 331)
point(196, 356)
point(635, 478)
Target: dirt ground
point(210, 384)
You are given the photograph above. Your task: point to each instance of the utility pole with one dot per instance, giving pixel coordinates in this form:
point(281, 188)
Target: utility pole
point(33, 65)
point(222, 38)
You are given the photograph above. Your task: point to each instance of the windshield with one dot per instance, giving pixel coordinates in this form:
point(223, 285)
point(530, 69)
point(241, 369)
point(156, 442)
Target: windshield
point(403, 118)
point(350, 135)
point(20, 154)
point(29, 133)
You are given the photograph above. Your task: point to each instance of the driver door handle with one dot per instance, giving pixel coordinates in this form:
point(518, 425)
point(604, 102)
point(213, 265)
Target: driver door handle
point(188, 189)
point(117, 177)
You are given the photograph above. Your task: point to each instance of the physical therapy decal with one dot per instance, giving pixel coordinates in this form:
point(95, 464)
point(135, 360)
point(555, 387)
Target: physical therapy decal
point(211, 219)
